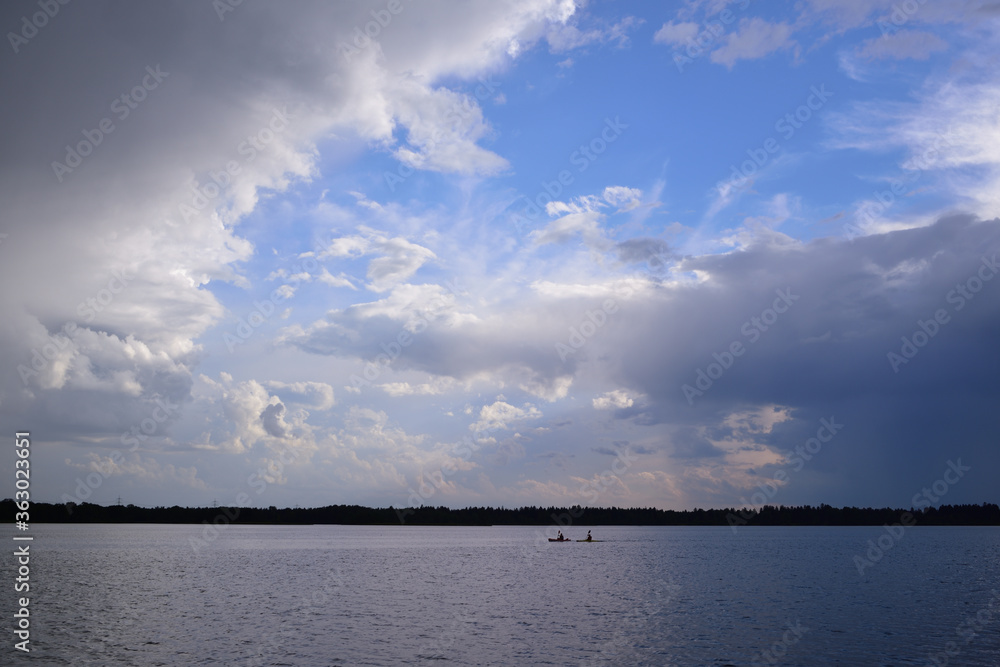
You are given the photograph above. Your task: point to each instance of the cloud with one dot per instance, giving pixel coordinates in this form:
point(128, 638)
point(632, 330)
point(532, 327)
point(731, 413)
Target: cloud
point(566, 37)
point(243, 417)
point(439, 386)
point(581, 217)
point(889, 15)
point(272, 418)
point(624, 199)
point(654, 252)
point(902, 45)
point(616, 399)
point(146, 470)
point(335, 281)
point(397, 260)
point(313, 395)
point(754, 38)
point(443, 131)
point(585, 225)
point(153, 246)
point(673, 34)
point(949, 137)
point(499, 415)
point(166, 223)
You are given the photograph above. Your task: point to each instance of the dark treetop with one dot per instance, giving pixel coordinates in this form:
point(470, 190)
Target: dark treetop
point(768, 515)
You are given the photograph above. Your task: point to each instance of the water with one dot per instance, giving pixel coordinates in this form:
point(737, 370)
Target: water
point(371, 595)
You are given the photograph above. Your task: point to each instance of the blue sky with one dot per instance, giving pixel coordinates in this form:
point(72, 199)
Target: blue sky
point(610, 253)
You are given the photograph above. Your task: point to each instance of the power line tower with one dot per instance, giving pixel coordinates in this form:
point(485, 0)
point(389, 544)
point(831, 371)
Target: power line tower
point(119, 502)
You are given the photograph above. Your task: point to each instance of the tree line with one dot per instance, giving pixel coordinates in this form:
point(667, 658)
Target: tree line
point(425, 515)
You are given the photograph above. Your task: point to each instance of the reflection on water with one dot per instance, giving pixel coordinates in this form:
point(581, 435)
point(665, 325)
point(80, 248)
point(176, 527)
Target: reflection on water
point(374, 595)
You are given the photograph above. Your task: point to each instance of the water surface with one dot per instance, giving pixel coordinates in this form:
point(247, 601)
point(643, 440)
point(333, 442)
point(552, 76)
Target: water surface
point(399, 595)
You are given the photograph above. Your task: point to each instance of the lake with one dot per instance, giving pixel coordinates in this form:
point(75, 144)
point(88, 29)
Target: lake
point(400, 595)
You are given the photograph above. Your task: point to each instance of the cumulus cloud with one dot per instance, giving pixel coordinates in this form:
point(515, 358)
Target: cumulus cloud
point(140, 248)
point(611, 400)
point(396, 261)
point(623, 198)
point(499, 415)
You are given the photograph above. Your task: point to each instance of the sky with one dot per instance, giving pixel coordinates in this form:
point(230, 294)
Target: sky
point(520, 252)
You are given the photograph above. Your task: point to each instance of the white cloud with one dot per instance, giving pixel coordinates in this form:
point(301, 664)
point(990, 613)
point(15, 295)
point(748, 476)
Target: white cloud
point(341, 280)
point(438, 386)
point(952, 131)
point(625, 199)
point(566, 37)
point(314, 395)
point(145, 470)
point(616, 399)
point(582, 217)
point(754, 38)
point(562, 230)
point(500, 415)
point(673, 34)
point(243, 417)
point(902, 45)
point(397, 260)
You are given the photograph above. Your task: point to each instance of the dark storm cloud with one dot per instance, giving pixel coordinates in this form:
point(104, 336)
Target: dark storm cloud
point(814, 323)
point(654, 252)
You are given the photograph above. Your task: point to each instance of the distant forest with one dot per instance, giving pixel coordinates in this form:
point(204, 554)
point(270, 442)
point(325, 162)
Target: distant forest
point(768, 515)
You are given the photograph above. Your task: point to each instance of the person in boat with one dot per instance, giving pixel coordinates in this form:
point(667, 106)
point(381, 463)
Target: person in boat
point(589, 538)
point(560, 536)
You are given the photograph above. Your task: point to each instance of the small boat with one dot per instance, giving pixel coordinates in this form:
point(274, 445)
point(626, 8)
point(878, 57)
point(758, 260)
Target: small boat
point(556, 539)
point(590, 540)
